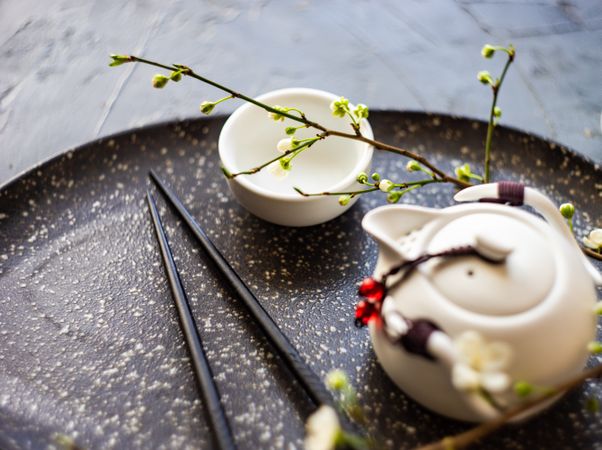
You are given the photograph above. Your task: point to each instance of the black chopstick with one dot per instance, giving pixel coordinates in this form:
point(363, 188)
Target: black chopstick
point(308, 379)
point(217, 417)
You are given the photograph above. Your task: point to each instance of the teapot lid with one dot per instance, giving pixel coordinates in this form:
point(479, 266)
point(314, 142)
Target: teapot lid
point(518, 283)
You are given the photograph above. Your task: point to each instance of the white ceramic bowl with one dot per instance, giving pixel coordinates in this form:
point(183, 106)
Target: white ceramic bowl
point(249, 138)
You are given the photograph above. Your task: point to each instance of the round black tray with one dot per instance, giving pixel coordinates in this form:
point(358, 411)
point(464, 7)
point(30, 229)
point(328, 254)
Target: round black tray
point(90, 345)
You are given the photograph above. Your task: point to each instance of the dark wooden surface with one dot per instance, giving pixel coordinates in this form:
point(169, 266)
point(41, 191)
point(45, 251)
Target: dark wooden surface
point(56, 90)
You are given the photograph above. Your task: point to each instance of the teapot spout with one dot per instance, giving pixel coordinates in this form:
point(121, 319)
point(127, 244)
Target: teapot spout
point(389, 224)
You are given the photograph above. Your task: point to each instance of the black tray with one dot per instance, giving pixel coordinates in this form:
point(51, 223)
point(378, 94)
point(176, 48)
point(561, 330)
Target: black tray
point(90, 345)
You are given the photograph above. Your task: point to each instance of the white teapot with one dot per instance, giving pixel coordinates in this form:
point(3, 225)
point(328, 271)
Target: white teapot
point(468, 300)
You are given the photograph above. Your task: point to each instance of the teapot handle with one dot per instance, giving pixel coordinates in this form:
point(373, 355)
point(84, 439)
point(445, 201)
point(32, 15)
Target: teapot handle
point(517, 194)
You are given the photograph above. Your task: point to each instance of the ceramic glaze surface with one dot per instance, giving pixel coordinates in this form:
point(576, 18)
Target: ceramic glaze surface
point(541, 284)
point(249, 138)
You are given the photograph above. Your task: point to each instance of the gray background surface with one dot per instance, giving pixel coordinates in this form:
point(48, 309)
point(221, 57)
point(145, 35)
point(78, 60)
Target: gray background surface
point(57, 92)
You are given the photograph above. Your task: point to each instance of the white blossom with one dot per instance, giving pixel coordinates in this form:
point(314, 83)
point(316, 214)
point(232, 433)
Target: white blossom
point(277, 170)
point(594, 239)
point(480, 364)
point(284, 145)
point(386, 185)
point(323, 429)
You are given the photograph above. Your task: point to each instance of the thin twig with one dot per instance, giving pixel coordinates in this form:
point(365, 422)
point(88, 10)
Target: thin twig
point(496, 89)
point(592, 253)
point(302, 119)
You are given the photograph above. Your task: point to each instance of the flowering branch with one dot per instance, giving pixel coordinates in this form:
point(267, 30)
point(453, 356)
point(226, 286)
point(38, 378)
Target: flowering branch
point(485, 77)
point(284, 159)
point(177, 70)
point(393, 190)
point(469, 437)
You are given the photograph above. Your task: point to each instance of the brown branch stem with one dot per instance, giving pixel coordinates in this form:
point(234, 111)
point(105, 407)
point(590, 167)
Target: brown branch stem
point(302, 119)
point(471, 436)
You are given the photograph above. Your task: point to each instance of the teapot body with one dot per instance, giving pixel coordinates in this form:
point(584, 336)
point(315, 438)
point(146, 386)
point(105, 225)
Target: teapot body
point(538, 301)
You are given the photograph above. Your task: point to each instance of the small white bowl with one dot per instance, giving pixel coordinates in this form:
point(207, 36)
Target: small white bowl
point(249, 138)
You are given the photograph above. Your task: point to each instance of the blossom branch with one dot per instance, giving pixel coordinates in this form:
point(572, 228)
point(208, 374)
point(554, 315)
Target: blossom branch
point(187, 71)
point(473, 435)
point(495, 112)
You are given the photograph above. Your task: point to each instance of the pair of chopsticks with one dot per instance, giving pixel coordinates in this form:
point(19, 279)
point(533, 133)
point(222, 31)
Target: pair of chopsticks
point(306, 377)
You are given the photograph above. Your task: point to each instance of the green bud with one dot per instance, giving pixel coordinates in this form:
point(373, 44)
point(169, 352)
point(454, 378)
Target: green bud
point(339, 107)
point(497, 112)
point(511, 51)
point(176, 76)
point(598, 308)
point(594, 347)
point(487, 51)
point(290, 130)
point(386, 185)
point(567, 210)
point(117, 60)
point(337, 380)
point(344, 199)
point(361, 111)
point(592, 404)
point(159, 81)
point(375, 176)
point(463, 172)
point(523, 389)
point(275, 116)
point(362, 177)
point(394, 196)
point(207, 107)
point(485, 77)
point(413, 166)
point(285, 163)
point(226, 172)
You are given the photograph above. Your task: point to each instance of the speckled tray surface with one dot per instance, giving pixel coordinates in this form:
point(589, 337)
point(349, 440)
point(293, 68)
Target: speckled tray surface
point(90, 344)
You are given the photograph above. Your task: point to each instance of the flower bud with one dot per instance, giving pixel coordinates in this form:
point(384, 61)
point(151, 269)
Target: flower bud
point(159, 81)
point(117, 60)
point(337, 380)
point(463, 172)
point(277, 170)
point(523, 389)
point(284, 145)
point(206, 107)
point(485, 77)
point(274, 115)
point(594, 239)
point(285, 163)
point(375, 176)
point(567, 210)
point(394, 196)
point(413, 166)
point(344, 199)
point(362, 177)
point(598, 308)
point(176, 76)
point(339, 107)
point(290, 130)
point(226, 172)
point(487, 51)
point(594, 347)
point(497, 112)
point(386, 185)
point(361, 111)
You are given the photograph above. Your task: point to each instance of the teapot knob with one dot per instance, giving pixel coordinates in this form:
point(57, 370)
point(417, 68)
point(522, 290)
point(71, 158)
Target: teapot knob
point(491, 249)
